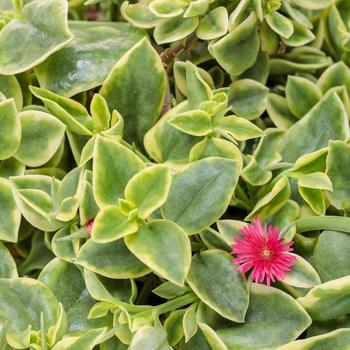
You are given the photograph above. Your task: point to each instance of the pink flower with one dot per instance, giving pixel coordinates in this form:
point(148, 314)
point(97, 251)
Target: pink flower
point(89, 225)
point(264, 252)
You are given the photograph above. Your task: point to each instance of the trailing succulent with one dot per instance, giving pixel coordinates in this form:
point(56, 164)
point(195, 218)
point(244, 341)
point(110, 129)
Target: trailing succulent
point(174, 174)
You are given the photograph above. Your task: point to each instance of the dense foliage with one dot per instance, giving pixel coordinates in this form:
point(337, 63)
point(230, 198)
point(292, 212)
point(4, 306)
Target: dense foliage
point(138, 138)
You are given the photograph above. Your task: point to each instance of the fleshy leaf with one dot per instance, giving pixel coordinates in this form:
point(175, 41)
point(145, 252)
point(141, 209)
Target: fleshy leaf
point(238, 50)
point(111, 224)
point(136, 87)
point(148, 190)
point(10, 132)
point(112, 260)
point(216, 282)
point(240, 128)
point(338, 171)
point(263, 328)
point(40, 35)
point(327, 120)
point(214, 24)
point(42, 135)
point(195, 122)
point(302, 95)
point(248, 98)
point(332, 249)
point(164, 247)
point(114, 165)
point(96, 44)
point(201, 193)
point(328, 300)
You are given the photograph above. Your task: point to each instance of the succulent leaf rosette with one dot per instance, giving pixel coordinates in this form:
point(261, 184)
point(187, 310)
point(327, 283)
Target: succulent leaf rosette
point(174, 174)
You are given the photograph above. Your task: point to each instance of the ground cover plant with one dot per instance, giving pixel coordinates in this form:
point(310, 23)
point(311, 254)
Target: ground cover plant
point(174, 174)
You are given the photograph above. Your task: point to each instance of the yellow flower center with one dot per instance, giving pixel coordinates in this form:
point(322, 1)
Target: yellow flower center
point(266, 253)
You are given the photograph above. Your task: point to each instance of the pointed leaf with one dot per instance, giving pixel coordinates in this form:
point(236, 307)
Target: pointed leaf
point(195, 122)
point(34, 24)
point(219, 285)
point(163, 247)
point(111, 224)
point(148, 190)
point(112, 260)
point(114, 165)
point(10, 132)
point(42, 135)
point(327, 120)
point(136, 88)
point(200, 194)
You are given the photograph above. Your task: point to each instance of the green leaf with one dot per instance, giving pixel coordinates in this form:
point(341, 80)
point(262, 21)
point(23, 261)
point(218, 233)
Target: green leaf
point(96, 44)
point(38, 257)
point(111, 291)
point(169, 290)
point(62, 247)
point(163, 247)
point(189, 322)
point(328, 300)
point(338, 171)
point(136, 88)
point(195, 122)
point(10, 132)
point(166, 8)
point(148, 190)
point(165, 143)
point(100, 112)
point(200, 194)
point(67, 284)
point(273, 201)
point(302, 95)
point(237, 51)
point(114, 165)
point(111, 224)
point(327, 120)
point(248, 98)
point(332, 249)
point(10, 216)
point(312, 4)
point(273, 319)
point(219, 285)
point(214, 24)
point(32, 194)
point(334, 340)
point(22, 310)
point(42, 135)
point(88, 208)
point(278, 111)
point(215, 147)
point(40, 35)
point(337, 74)
point(112, 260)
point(316, 181)
point(280, 24)
point(8, 268)
point(212, 338)
point(173, 326)
point(302, 274)
point(139, 14)
point(301, 35)
point(87, 341)
point(193, 82)
point(240, 128)
point(68, 111)
point(197, 8)
point(174, 29)
point(11, 88)
point(148, 337)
